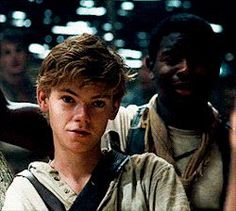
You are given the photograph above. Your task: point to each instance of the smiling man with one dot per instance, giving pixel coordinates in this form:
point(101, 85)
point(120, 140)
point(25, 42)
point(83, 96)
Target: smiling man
point(179, 124)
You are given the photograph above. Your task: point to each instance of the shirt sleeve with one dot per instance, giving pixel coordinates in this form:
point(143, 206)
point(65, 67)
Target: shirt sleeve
point(121, 124)
point(21, 195)
point(165, 189)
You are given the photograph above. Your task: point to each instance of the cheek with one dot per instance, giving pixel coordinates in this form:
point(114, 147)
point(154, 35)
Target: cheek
point(22, 57)
point(56, 115)
point(4, 60)
point(162, 69)
point(99, 122)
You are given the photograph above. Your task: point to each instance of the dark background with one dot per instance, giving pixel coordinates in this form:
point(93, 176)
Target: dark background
point(132, 27)
point(142, 18)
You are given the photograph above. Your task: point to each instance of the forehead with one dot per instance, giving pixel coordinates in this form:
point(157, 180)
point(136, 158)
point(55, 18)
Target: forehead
point(184, 44)
point(10, 45)
point(174, 39)
point(96, 88)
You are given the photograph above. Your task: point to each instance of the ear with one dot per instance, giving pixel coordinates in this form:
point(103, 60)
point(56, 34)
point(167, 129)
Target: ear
point(116, 106)
point(42, 98)
point(147, 63)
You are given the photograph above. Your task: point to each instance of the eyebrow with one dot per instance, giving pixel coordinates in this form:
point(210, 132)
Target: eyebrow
point(75, 94)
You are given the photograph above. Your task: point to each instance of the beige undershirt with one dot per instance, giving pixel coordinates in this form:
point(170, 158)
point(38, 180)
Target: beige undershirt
point(209, 186)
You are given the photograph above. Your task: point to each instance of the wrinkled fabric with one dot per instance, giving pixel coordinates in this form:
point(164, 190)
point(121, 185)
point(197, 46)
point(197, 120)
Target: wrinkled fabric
point(146, 182)
point(5, 178)
point(209, 187)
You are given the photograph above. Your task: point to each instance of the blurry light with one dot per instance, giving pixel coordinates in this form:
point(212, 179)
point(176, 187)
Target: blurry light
point(48, 12)
point(40, 50)
point(74, 28)
point(127, 5)
point(3, 18)
point(216, 28)
point(133, 63)
point(18, 23)
point(118, 25)
point(187, 4)
point(107, 27)
point(18, 15)
point(87, 3)
point(222, 71)
point(225, 70)
point(143, 43)
point(119, 43)
point(229, 57)
point(108, 37)
point(47, 20)
point(97, 11)
point(39, 1)
point(122, 12)
point(128, 53)
point(173, 3)
point(27, 23)
point(60, 39)
point(48, 38)
point(142, 35)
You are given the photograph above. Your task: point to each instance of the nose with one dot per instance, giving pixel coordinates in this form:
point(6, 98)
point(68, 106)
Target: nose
point(182, 68)
point(81, 114)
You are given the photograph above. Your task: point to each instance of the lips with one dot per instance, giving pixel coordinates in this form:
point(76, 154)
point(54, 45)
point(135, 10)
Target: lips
point(182, 88)
point(80, 132)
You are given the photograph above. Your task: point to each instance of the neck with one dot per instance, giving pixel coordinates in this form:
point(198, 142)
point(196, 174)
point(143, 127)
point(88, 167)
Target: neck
point(14, 79)
point(184, 115)
point(76, 169)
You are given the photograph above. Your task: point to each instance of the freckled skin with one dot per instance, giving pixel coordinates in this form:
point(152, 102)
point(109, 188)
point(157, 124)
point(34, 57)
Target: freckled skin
point(78, 117)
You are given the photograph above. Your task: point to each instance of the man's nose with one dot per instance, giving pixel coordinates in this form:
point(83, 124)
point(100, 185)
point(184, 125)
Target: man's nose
point(182, 68)
point(81, 113)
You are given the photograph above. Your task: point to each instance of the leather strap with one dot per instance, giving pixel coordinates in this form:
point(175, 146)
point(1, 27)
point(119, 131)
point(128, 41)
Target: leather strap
point(93, 192)
point(96, 188)
point(50, 200)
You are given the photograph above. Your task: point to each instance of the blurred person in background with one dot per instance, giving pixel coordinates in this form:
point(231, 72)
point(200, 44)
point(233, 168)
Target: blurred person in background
point(16, 85)
point(15, 80)
point(21, 124)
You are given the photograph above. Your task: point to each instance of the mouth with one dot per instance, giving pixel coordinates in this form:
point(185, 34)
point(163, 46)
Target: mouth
point(182, 88)
point(81, 133)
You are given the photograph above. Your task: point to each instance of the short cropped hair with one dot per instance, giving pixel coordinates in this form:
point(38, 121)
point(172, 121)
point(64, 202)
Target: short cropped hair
point(201, 37)
point(84, 59)
point(15, 35)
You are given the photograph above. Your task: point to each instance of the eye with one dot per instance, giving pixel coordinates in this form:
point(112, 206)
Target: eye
point(99, 103)
point(171, 60)
point(67, 99)
point(6, 52)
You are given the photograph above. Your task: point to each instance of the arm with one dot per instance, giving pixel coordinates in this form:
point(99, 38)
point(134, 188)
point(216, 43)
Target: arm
point(167, 191)
point(230, 203)
point(22, 124)
point(21, 195)
point(160, 185)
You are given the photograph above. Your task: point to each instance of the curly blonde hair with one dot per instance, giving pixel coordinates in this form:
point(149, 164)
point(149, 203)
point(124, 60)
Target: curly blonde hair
point(83, 59)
